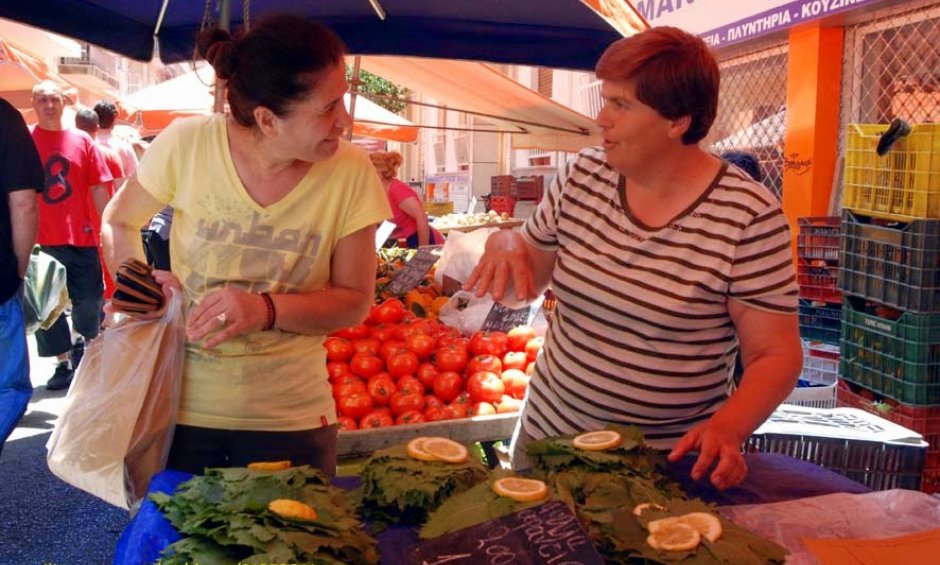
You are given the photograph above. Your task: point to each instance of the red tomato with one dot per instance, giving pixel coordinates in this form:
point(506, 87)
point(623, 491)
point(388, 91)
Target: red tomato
point(519, 336)
point(346, 423)
point(516, 383)
point(485, 386)
point(533, 347)
point(337, 370)
point(448, 385)
point(338, 349)
point(383, 332)
point(377, 376)
point(421, 345)
point(426, 373)
point(462, 398)
point(410, 417)
point(455, 339)
point(376, 420)
point(390, 347)
point(485, 362)
point(459, 410)
point(353, 333)
point(482, 409)
point(431, 400)
point(451, 358)
point(436, 414)
point(508, 404)
point(410, 383)
point(381, 391)
point(350, 387)
point(382, 410)
point(355, 405)
point(493, 343)
point(391, 311)
point(368, 345)
point(404, 401)
point(446, 335)
point(515, 360)
point(402, 363)
point(365, 365)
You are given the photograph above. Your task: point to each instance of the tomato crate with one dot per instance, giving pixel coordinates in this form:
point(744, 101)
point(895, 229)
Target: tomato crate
point(819, 238)
point(529, 188)
point(818, 282)
point(820, 321)
point(902, 185)
point(853, 443)
point(502, 185)
point(899, 358)
point(895, 263)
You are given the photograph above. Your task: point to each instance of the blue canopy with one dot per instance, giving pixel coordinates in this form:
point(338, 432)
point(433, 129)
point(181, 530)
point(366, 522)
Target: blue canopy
point(548, 33)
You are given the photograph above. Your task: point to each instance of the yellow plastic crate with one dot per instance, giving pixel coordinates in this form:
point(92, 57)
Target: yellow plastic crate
point(904, 184)
point(439, 208)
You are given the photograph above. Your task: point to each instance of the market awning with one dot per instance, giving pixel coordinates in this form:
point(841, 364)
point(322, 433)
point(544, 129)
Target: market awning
point(191, 94)
point(533, 120)
point(19, 72)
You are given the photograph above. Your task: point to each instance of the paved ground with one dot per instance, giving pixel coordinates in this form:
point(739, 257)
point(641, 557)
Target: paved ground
point(42, 519)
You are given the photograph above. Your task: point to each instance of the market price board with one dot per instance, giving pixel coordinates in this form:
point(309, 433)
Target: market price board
point(546, 534)
point(414, 270)
point(502, 318)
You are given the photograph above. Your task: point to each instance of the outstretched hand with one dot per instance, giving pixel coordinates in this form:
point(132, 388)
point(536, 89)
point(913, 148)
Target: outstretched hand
point(226, 313)
point(504, 269)
point(714, 443)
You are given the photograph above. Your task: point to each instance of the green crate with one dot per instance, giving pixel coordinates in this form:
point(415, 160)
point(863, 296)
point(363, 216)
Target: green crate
point(896, 264)
point(899, 358)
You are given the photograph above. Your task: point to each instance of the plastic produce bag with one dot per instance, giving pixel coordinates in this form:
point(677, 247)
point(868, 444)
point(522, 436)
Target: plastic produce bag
point(461, 253)
point(465, 311)
point(120, 413)
point(44, 292)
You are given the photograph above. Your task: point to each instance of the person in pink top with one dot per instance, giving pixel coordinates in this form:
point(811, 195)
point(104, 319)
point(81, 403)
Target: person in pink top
point(407, 211)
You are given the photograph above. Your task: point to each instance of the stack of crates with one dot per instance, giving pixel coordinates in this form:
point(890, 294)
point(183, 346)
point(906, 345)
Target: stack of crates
point(818, 276)
point(503, 185)
point(529, 188)
point(890, 274)
point(816, 387)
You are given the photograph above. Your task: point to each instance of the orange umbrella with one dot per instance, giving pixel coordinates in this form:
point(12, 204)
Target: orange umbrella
point(19, 72)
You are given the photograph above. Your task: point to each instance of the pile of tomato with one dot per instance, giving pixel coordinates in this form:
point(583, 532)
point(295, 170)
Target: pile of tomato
point(397, 368)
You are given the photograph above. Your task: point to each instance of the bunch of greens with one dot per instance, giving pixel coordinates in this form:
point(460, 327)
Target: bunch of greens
point(469, 508)
point(398, 489)
point(224, 518)
point(631, 457)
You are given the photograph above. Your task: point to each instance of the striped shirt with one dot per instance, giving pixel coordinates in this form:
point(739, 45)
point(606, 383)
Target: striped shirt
point(641, 332)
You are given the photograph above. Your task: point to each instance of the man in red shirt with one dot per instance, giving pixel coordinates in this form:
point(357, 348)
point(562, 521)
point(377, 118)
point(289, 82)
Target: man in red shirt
point(74, 191)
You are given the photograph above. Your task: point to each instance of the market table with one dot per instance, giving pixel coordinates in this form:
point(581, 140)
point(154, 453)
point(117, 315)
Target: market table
point(772, 478)
point(506, 224)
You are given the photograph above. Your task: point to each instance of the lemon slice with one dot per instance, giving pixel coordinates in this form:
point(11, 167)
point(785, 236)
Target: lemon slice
point(416, 450)
point(292, 510)
point(639, 509)
point(445, 449)
point(523, 490)
point(598, 441)
point(708, 525)
point(672, 535)
point(269, 465)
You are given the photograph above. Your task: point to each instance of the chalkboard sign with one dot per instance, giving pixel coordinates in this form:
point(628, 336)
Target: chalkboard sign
point(414, 270)
point(546, 534)
point(502, 319)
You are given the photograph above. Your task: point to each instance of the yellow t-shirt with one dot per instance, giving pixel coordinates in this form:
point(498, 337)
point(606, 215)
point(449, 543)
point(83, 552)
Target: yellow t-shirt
point(270, 380)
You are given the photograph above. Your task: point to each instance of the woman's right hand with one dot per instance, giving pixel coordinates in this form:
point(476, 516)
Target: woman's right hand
point(504, 267)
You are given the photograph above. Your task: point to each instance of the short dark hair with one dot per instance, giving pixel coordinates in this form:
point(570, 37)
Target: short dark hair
point(86, 120)
point(276, 64)
point(107, 113)
point(746, 162)
point(675, 73)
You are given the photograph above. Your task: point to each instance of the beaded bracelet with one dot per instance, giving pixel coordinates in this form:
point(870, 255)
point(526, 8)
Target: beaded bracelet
point(272, 313)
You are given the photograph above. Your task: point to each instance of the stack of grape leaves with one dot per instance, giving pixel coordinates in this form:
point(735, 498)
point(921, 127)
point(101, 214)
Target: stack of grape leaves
point(398, 489)
point(224, 519)
point(604, 488)
point(475, 506)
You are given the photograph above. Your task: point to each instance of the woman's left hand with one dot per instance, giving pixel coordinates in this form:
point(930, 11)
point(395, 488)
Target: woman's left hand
point(226, 313)
point(713, 442)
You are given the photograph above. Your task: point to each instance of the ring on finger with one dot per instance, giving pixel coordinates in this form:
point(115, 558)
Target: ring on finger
point(221, 318)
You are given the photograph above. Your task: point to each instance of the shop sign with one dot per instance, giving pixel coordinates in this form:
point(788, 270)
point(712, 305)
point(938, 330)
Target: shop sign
point(722, 22)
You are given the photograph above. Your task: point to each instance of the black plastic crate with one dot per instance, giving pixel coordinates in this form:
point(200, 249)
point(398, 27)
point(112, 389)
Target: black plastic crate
point(893, 263)
point(820, 321)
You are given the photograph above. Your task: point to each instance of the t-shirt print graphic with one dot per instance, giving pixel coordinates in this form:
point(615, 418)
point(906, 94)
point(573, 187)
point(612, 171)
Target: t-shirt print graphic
point(57, 187)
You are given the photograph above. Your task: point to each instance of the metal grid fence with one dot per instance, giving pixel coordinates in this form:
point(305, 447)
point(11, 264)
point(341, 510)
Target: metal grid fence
point(751, 109)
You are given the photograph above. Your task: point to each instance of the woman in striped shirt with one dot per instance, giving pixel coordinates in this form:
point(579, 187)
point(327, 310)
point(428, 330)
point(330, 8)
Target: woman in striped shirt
point(666, 262)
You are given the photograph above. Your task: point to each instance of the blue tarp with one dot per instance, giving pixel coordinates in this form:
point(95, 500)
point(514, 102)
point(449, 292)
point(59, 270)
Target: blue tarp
point(771, 478)
point(548, 33)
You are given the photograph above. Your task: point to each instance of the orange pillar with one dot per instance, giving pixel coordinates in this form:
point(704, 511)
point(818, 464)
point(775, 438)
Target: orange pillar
point(811, 143)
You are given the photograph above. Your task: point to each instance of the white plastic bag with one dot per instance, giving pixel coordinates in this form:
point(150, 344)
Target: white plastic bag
point(461, 253)
point(465, 311)
point(117, 426)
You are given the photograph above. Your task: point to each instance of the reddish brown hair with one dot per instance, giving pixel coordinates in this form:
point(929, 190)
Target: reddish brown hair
point(674, 72)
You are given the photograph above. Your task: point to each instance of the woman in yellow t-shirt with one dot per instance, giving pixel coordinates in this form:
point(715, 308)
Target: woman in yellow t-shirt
point(273, 212)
